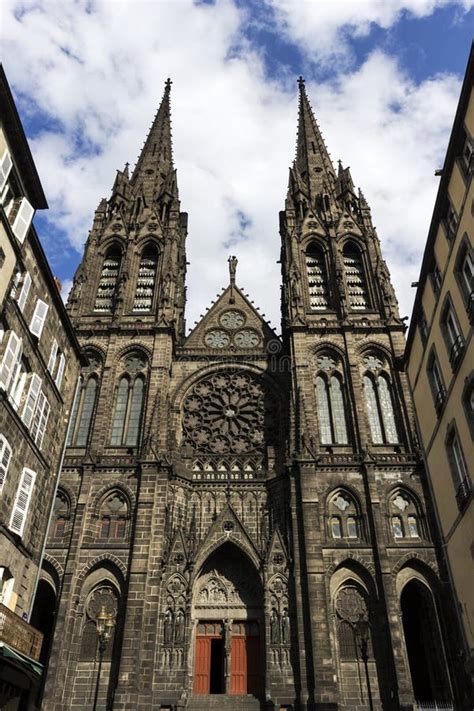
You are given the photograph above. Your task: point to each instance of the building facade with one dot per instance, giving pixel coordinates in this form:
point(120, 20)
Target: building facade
point(249, 510)
point(39, 368)
point(440, 358)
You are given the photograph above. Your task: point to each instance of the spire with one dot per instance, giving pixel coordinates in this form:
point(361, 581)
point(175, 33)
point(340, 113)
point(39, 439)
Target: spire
point(155, 161)
point(312, 158)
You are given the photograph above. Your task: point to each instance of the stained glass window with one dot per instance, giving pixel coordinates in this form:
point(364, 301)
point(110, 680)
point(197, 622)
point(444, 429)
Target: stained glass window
point(352, 531)
point(338, 414)
point(336, 527)
point(120, 412)
point(136, 401)
point(386, 406)
point(405, 522)
point(372, 411)
point(108, 282)
point(344, 516)
point(397, 527)
point(129, 403)
point(355, 279)
point(113, 519)
point(324, 416)
point(413, 527)
point(146, 281)
point(331, 415)
point(81, 416)
point(317, 279)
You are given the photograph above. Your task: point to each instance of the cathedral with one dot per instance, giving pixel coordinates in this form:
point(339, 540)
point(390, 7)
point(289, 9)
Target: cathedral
point(247, 511)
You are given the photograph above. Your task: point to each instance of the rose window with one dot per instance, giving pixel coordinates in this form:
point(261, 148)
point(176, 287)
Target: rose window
point(228, 413)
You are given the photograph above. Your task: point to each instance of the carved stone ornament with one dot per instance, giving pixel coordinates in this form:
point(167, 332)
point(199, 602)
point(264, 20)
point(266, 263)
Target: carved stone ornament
point(373, 363)
point(326, 363)
point(102, 597)
point(350, 605)
point(216, 589)
point(341, 502)
point(400, 502)
point(232, 319)
point(228, 413)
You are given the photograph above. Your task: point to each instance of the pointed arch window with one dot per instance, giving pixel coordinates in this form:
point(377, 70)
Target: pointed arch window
point(61, 515)
point(129, 403)
point(105, 297)
point(404, 515)
point(379, 402)
point(113, 516)
point(344, 516)
point(357, 293)
point(330, 402)
point(81, 416)
point(317, 278)
point(103, 596)
point(146, 280)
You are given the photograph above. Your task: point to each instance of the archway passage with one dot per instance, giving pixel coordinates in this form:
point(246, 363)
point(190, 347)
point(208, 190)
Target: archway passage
point(424, 645)
point(42, 616)
point(228, 609)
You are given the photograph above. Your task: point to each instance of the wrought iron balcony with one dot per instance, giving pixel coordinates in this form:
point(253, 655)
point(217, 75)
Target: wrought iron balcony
point(463, 493)
point(19, 635)
point(456, 352)
point(439, 401)
point(470, 307)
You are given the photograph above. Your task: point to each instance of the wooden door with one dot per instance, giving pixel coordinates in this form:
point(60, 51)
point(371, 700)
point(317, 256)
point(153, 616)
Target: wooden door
point(202, 665)
point(238, 667)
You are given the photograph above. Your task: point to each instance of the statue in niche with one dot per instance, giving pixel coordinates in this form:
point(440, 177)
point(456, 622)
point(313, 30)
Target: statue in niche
point(179, 627)
point(274, 627)
point(295, 281)
point(168, 627)
point(285, 627)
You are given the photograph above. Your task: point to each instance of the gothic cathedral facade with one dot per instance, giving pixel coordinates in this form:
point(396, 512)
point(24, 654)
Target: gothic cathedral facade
point(249, 509)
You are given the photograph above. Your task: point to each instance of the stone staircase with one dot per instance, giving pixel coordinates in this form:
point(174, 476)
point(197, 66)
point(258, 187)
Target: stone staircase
point(223, 702)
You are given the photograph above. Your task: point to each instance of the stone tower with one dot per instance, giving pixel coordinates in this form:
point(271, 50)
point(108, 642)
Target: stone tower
point(249, 510)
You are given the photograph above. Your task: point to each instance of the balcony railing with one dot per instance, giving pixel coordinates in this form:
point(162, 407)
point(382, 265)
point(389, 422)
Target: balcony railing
point(463, 493)
point(470, 307)
point(19, 635)
point(456, 352)
point(439, 401)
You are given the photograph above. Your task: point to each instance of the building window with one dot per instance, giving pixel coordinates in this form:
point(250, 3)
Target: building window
point(330, 401)
point(103, 596)
point(351, 607)
point(357, 293)
point(40, 419)
point(464, 271)
point(468, 401)
point(436, 383)
point(5, 459)
point(467, 155)
point(81, 416)
point(451, 222)
point(436, 280)
point(146, 280)
point(22, 501)
point(423, 326)
point(460, 475)
point(317, 278)
point(379, 402)
point(39, 318)
point(61, 515)
point(452, 334)
point(344, 516)
point(5, 168)
point(129, 402)
point(11, 360)
point(404, 515)
point(24, 291)
point(105, 298)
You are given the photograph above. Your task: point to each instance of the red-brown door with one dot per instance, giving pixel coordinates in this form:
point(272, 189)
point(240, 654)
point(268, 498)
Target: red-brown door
point(238, 667)
point(202, 665)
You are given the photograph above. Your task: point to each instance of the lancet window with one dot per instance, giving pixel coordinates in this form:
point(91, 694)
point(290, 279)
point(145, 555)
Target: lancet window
point(379, 401)
point(330, 401)
point(113, 516)
point(317, 278)
point(357, 293)
point(103, 596)
point(146, 280)
point(344, 517)
point(129, 399)
point(404, 515)
point(84, 404)
point(105, 297)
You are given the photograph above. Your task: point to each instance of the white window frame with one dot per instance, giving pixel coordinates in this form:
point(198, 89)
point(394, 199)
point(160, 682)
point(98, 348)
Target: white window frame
point(25, 289)
point(39, 317)
point(61, 368)
point(40, 420)
point(52, 356)
point(31, 400)
point(22, 221)
point(5, 459)
point(5, 167)
point(22, 501)
point(10, 359)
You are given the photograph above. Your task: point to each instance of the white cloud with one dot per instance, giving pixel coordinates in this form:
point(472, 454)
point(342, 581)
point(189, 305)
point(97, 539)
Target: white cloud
point(323, 28)
point(99, 75)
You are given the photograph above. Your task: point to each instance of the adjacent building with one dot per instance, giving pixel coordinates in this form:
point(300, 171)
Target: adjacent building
point(440, 358)
point(39, 367)
point(248, 512)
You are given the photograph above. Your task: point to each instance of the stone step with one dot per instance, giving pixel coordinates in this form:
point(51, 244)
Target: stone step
point(223, 702)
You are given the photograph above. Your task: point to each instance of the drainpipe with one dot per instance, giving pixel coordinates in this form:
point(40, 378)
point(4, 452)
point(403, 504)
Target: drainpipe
point(56, 485)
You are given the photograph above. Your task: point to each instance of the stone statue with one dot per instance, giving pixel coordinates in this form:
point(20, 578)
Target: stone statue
point(274, 628)
point(168, 627)
point(179, 627)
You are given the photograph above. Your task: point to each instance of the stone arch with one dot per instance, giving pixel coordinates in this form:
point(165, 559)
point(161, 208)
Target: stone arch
point(96, 349)
point(217, 541)
point(107, 489)
point(59, 570)
point(111, 242)
point(417, 562)
point(138, 346)
point(327, 345)
point(105, 561)
point(52, 572)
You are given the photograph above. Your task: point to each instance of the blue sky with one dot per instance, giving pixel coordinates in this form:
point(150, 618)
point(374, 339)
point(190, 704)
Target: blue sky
point(383, 79)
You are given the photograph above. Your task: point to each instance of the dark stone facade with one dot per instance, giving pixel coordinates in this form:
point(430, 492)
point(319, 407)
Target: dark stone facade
point(252, 506)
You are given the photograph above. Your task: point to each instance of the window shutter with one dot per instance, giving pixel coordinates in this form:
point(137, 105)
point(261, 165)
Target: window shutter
point(16, 282)
point(5, 457)
point(52, 356)
point(23, 295)
point(22, 501)
point(31, 399)
point(5, 168)
point(10, 358)
point(22, 220)
point(60, 373)
point(40, 419)
point(39, 317)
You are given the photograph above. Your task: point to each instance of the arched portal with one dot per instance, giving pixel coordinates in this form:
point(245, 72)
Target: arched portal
point(424, 644)
point(229, 625)
point(42, 616)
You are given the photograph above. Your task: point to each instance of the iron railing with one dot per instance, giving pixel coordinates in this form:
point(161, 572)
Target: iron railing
point(19, 635)
point(434, 706)
point(463, 493)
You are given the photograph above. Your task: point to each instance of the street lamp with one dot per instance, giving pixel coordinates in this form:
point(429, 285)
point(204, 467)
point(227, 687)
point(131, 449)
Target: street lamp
point(362, 632)
point(105, 625)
